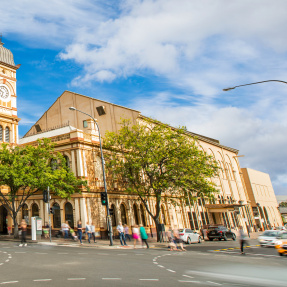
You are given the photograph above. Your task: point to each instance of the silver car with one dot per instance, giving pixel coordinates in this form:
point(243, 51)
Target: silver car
point(268, 237)
point(189, 236)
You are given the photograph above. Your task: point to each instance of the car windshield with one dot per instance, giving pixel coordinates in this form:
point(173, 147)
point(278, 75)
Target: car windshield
point(181, 230)
point(270, 233)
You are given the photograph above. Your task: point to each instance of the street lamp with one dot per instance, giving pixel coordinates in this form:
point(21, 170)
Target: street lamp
point(104, 175)
point(232, 88)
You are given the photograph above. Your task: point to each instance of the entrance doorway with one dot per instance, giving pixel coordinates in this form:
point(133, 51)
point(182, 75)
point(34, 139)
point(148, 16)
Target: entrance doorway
point(3, 220)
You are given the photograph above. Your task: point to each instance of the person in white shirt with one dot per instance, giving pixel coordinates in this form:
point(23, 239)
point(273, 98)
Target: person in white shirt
point(93, 231)
point(120, 230)
point(89, 231)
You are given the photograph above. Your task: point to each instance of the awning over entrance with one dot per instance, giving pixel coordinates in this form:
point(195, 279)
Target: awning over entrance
point(222, 207)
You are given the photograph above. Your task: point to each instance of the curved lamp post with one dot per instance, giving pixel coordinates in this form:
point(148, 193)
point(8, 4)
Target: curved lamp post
point(104, 175)
point(232, 88)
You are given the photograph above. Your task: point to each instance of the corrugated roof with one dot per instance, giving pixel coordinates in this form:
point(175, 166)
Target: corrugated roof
point(6, 55)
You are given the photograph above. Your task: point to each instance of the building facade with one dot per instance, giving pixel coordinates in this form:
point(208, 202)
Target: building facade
point(76, 137)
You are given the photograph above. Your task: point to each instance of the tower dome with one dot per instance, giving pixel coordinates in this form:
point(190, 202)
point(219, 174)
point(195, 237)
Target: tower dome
point(6, 55)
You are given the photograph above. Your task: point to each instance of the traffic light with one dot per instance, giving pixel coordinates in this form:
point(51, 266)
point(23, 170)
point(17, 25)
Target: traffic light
point(104, 198)
point(45, 196)
point(51, 210)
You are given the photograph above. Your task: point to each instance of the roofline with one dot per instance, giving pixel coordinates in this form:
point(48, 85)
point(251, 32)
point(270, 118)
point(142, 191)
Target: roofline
point(10, 66)
point(78, 95)
point(201, 137)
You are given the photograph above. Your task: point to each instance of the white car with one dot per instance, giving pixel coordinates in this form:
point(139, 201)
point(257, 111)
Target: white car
point(268, 237)
point(189, 236)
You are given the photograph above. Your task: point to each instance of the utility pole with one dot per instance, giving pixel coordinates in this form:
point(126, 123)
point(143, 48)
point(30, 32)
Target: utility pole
point(50, 233)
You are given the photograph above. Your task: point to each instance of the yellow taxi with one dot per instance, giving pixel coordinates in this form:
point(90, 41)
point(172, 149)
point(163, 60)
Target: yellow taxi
point(281, 243)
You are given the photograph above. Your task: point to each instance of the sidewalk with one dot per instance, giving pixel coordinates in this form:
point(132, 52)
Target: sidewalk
point(100, 243)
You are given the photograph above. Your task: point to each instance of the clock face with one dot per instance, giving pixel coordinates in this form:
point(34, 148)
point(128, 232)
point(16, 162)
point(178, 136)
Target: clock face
point(4, 93)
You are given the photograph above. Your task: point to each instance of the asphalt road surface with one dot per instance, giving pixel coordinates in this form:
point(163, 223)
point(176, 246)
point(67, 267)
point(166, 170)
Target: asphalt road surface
point(200, 265)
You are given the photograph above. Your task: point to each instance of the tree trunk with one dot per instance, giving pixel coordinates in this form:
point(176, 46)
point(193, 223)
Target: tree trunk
point(158, 233)
point(16, 233)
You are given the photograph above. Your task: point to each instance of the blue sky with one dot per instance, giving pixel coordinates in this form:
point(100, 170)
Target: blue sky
point(169, 59)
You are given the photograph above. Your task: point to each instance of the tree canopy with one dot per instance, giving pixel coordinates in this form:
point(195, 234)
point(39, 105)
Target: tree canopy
point(151, 159)
point(26, 170)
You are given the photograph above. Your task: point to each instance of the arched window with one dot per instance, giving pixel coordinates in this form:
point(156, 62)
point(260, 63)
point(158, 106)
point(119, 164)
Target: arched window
point(25, 214)
point(113, 217)
point(54, 164)
point(67, 161)
point(1, 134)
point(136, 216)
point(69, 214)
point(123, 214)
point(35, 210)
point(7, 135)
point(56, 216)
point(142, 215)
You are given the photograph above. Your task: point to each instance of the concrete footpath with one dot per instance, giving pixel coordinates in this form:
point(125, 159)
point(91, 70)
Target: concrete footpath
point(100, 243)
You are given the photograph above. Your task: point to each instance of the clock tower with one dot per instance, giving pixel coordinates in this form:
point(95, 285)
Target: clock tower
point(8, 110)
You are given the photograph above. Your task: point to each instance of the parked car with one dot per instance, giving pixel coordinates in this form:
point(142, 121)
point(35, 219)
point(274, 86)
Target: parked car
point(220, 232)
point(189, 236)
point(281, 243)
point(268, 237)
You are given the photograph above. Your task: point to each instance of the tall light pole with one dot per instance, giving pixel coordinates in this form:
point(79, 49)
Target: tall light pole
point(104, 176)
point(232, 88)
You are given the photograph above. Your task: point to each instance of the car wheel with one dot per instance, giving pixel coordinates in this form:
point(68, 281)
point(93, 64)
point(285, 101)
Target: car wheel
point(280, 254)
point(210, 239)
point(188, 241)
point(234, 237)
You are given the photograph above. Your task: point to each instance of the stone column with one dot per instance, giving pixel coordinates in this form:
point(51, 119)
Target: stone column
point(83, 211)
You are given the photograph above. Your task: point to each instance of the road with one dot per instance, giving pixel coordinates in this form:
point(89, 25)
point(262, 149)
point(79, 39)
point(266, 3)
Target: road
point(200, 265)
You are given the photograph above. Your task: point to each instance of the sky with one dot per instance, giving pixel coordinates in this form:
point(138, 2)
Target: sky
point(169, 59)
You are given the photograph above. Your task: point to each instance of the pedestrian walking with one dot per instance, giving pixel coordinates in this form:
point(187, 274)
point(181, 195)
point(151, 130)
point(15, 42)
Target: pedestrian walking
point(89, 231)
point(171, 244)
point(80, 231)
point(120, 230)
point(242, 238)
point(65, 229)
point(178, 240)
point(144, 236)
point(93, 231)
point(136, 235)
point(127, 232)
point(23, 227)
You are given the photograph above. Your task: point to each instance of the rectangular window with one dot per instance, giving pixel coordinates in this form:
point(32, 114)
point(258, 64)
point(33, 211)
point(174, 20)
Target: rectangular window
point(85, 124)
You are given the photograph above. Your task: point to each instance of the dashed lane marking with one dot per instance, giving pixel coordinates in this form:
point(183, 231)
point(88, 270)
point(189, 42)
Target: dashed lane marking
point(148, 279)
point(42, 280)
point(111, 278)
point(171, 270)
point(187, 276)
point(74, 279)
point(213, 283)
point(8, 282)
point(189, 281)
point(160, 266)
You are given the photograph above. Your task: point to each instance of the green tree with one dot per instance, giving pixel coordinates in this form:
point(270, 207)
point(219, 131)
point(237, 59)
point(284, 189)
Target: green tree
point(283, 204)
point(27, 170)
point(154, 160)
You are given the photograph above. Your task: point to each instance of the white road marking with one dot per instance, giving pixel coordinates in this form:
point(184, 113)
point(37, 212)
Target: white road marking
point(111, 278)
point(187, 276)
point(40, 253)
point(213, 283)
point(76, 278)
point(139, 254)
point(9, 282)
point(39, 280)
point(102, 254)
point(58, 253)
point(20, 252)
point(171, 270)
point(82, 253)
point(155, 263)
point(122, 254)
point(1, 263)
point(160, 266)
point(148, 279)
point(184, 281)
point(7, 260)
